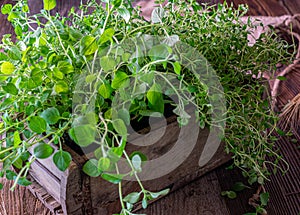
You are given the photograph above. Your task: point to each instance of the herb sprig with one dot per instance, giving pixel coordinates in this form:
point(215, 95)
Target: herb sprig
point(40, 71)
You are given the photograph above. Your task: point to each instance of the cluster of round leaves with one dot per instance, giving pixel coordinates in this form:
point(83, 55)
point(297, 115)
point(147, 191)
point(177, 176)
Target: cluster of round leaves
point(40, 70)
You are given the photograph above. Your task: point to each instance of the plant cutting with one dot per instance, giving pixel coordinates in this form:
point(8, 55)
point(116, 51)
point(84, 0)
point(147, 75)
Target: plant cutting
point(58, 66)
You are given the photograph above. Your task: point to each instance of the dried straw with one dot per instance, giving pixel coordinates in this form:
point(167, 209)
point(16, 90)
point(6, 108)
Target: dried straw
point(290, 117)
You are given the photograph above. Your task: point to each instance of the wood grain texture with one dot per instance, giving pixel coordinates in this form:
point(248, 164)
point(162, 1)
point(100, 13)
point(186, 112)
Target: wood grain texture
point(285, 189)
point(201, 196)
point(20, 202)
point(270, 7)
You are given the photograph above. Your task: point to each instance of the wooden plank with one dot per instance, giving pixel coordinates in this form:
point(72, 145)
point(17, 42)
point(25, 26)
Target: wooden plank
point(39, 192)
point(285, 189)
point(104, 201)
point(227, 178)
point(199, 197)
point(20, 202)
point(46, 179)
point(71, 185)
point(291, 194)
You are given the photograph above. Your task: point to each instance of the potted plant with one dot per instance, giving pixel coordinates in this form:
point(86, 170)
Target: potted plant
point(80, 82)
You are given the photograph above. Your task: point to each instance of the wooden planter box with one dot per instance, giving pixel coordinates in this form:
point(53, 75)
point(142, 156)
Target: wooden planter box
point(73, 192)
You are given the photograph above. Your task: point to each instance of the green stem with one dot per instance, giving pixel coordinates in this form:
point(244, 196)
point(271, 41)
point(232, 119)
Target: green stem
point(107, 17)
point(6, 150)
point(120, 189)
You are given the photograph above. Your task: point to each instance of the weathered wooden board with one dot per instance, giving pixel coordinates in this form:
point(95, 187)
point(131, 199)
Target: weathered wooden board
point(80, 194)
point(200, 197)
point(20, 202)
point(25, 203)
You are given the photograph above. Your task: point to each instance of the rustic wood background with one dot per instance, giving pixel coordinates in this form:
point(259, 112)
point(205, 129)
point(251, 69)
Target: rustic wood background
point(203, 195)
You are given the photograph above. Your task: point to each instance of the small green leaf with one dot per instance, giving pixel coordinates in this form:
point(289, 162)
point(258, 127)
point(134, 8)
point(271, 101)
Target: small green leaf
point(124, 115)
point(14, 52)
point(98, 153)
point(51, 115)
point(159, 52)
point(261, 210)
point(37, 124)
point(25, 8)
point(103, 164)
point(113, 156)
point(280, 132)
point(281, 78)
point(239, 186)
point(18, 30)
point(83, 135)
point(90, 168)
point(105, 90)
point(62, 160)
point(120, 127)
point(7, 68)
point(10, 175)
point(144, 203)
point(137, 162)
point(6, 9)
point(88, 45)
point(24, 182)
point(36, 78)
point(264, 198)
point(155, 195)
point(61, 87)
point(155, 98)
point(58, 74)
point(120, 80)
point(157, 15)
point(118, 151)
point(177, 68)
point(65, 67)
point(90, 78)
point(140, 154)
point(25, 156)
point(124, 13)
point(112, 178)
point(3, 56)
point(224, 193)
point(1, 186)
point(116, 3)
point(107, 63)
point(231, 194)
point(11, 89)
point(17, 139)
point(18, 163)
point(49, 4)
point(42, 151)
point(252, 180)
point(125, 57)
point(74, 34)
point(147, 77)
point(260, 180)
point(132, 198)
point(106, 36)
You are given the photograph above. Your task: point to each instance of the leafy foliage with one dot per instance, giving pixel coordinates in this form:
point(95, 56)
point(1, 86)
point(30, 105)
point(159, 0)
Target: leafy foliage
point(40, 70)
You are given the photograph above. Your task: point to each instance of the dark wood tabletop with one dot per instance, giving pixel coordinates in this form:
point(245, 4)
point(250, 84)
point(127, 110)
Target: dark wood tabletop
point(203, 195)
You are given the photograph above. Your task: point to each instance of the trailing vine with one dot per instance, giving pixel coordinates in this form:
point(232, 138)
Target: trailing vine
point(41, 70)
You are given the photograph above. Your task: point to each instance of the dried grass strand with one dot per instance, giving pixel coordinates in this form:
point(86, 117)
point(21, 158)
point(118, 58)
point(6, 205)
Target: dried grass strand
point(290, 117)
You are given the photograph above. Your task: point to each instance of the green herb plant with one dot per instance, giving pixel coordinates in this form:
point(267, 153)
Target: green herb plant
point(40, 70)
